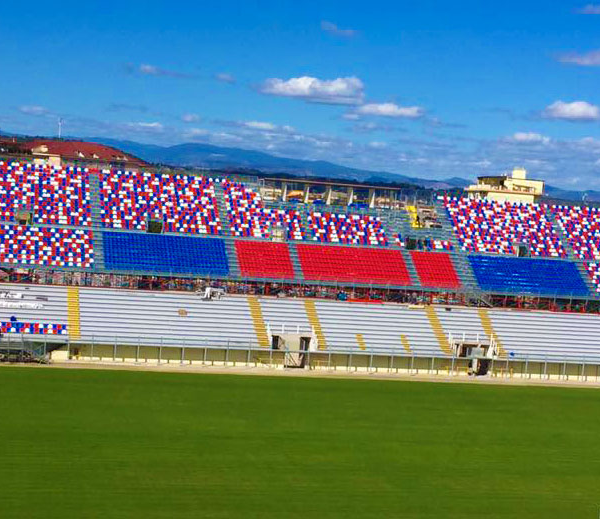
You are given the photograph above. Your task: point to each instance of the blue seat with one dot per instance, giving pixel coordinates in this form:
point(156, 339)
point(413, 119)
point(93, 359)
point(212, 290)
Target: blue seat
point(528, 276)
point(165, 254)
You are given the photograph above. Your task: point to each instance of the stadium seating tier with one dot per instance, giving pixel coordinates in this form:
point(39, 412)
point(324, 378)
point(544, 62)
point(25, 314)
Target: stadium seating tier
point(528, 276)
point(165, 254)
point(183, 203)
point(52, 195)
point(264, 259)
point(500, 227)
point(46, 246)
point(435, 269)
point(582, 227)
point(347, 229)
point(248, 217)
point(353, 264)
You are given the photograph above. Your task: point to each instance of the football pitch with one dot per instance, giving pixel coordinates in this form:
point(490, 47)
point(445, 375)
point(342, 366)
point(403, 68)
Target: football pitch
point(126, 444)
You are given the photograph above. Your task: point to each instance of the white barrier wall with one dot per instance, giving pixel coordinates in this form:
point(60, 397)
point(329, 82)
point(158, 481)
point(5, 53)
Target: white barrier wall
point(183, 319)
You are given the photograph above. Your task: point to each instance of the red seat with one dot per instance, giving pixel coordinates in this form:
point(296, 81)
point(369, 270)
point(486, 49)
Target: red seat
point(259, 259)
point(353, 264)
point(435, 269)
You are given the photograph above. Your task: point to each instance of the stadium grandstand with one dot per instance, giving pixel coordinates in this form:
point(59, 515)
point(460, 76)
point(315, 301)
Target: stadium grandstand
point(106, 258)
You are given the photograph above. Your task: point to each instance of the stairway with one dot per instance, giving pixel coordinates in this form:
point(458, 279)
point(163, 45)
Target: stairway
point(488, 328)
point(438, 330)
point(260, 329)
point(73, 313)
point(298, 274)
point(227, 236)
point(222, 208)
point(410, 266)
point(313, 319)
point(361, 341)
point(97, 226)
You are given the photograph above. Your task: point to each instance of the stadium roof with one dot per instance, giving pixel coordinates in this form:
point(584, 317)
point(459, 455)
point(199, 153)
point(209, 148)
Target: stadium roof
point(80, 150)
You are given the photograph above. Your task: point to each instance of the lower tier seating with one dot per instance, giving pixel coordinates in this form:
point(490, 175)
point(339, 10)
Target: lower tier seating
point(353, 264)
point(46, 246)
point(165, 254)
point(32, 328)
point(528, 276)
point(435, 269)
point(264, 259)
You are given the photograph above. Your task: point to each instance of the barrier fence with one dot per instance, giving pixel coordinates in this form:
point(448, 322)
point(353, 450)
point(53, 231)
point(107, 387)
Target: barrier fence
point(147, 351)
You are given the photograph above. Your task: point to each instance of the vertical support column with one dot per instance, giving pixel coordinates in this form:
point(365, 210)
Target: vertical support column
point(328, 195)
point(306, 197)
point(371, 198)
point(284, 192)
point(350, 195)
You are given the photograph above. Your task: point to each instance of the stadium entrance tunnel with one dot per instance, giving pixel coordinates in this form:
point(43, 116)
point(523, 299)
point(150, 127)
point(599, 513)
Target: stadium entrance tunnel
point(479, 353)
point(294, 346)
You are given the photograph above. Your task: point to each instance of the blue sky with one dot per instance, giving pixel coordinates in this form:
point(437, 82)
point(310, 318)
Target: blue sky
point(431, 88)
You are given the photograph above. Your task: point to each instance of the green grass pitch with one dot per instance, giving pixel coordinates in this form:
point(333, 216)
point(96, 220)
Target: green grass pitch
point(87, 444)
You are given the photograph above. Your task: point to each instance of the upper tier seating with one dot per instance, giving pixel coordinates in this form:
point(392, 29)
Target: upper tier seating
point(353, 264)
point(528, 276)
point(582, 227)
point(499, 227)
point(52, 195)
point(435, 269)
point(46, 246)
point(264, 259)
point(249, 218)
point(165, 254)
point(184, 203)
point(349, 229)
point(593, 269)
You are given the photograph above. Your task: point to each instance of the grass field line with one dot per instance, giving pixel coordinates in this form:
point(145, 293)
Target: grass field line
point(295, 373)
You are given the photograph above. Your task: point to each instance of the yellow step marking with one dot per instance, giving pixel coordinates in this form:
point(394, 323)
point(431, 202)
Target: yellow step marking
point(361, 341)
point(313, 319)
point(488, 328)
point(260, 329)
point(73, 313)
point(438, 331)
point(405, 343)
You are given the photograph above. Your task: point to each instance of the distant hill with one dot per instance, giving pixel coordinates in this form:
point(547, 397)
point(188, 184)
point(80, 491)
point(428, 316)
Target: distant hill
point(217, 157)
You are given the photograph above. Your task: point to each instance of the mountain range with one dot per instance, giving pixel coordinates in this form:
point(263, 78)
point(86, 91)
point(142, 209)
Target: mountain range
point(224, 158)
point(217, 157)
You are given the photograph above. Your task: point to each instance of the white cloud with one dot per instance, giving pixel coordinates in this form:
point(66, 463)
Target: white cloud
point(258, 125)
point(377, 145)
point(342, 90)
point(574, 111)
point(391, 110)
point(190, 118)
point(529, 138)
point(332, 28)
point(224, 77)
point(589, 9)
point(147, 127)
point(589, 59)
point(35, 110)
point(152, 70)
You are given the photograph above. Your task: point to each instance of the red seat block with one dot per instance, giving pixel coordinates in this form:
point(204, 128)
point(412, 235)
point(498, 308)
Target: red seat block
point(353, 264)
point(435, 269)
point(263, 259)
